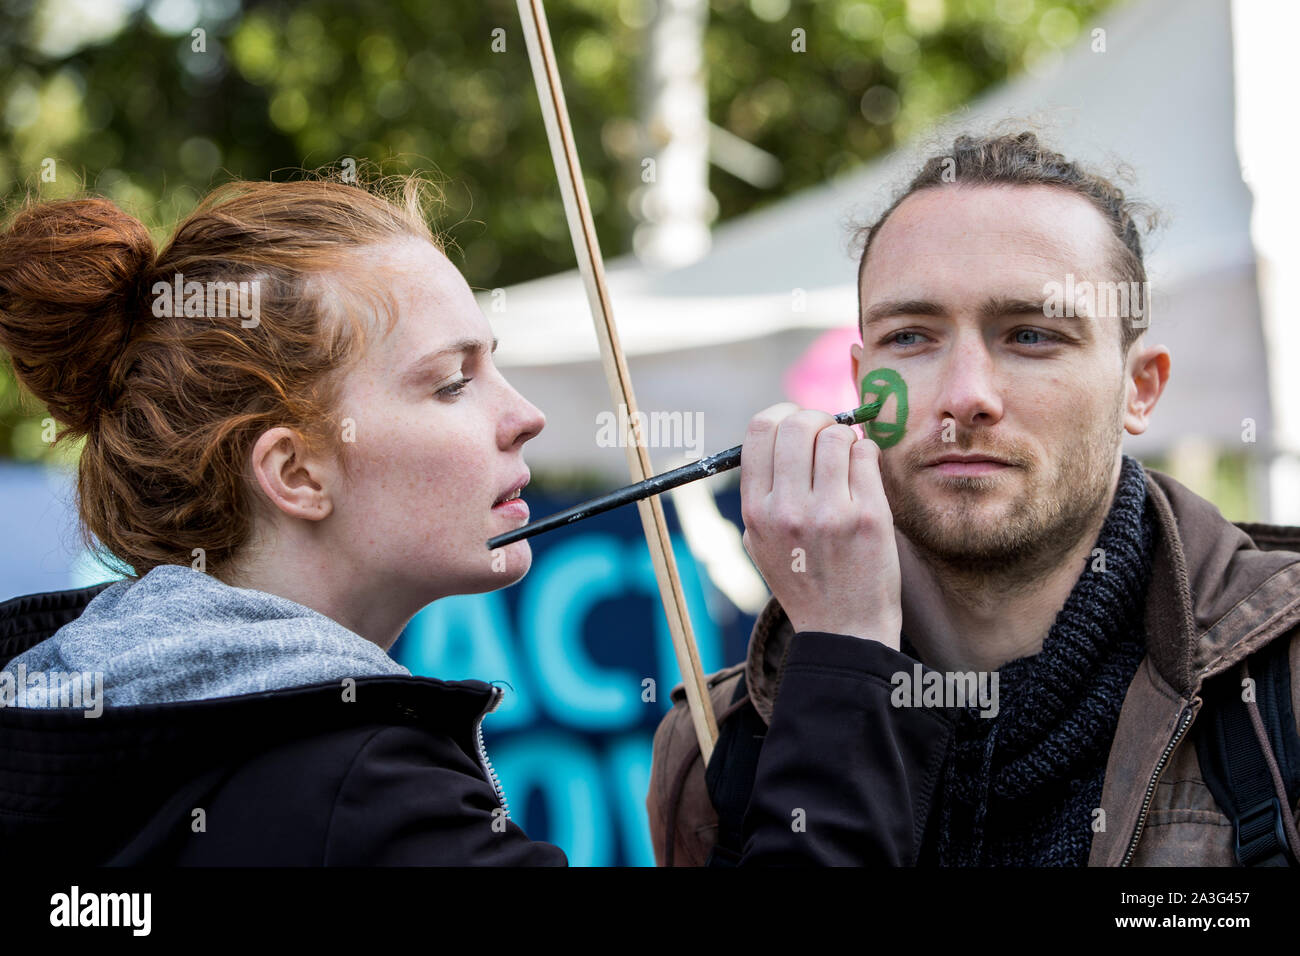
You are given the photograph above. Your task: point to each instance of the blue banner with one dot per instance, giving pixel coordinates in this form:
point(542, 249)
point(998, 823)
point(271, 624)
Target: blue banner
point(582, 648)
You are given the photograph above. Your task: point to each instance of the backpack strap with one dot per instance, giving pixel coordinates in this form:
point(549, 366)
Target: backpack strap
point(729, 776)
point(1234, 765)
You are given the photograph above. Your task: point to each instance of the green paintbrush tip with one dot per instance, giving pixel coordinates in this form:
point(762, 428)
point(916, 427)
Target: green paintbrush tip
point(865, 413)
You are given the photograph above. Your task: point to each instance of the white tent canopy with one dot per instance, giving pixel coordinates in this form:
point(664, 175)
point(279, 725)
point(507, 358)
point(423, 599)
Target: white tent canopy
point(716, 336)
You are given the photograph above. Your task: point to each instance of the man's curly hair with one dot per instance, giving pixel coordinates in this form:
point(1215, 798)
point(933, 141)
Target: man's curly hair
point(1019, 159)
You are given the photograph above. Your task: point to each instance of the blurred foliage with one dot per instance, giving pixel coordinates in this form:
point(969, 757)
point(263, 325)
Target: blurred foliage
point(117, 94)
point(1233, 480)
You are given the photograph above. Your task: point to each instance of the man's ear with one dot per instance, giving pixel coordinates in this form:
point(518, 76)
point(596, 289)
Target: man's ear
point(855, 359)
point(1145, 375)
point(292, 481)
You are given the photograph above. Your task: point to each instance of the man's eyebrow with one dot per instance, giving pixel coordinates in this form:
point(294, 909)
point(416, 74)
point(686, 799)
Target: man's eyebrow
point(997, 306)
point(424, 363)
point(895, 307)
point(990, 309)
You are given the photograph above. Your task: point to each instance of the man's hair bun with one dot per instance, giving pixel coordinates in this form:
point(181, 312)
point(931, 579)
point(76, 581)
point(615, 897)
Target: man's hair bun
point(69, 291)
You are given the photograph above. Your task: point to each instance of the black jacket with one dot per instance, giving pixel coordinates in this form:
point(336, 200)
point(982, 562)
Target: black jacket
point(301, 777)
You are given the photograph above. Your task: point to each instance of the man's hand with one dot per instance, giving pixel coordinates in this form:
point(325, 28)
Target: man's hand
point(818, 526)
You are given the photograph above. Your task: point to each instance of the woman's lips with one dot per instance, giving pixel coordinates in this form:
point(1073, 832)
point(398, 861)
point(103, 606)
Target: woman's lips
point(515, 508)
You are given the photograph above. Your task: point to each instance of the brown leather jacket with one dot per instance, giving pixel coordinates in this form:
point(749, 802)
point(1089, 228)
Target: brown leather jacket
point(1218, 593)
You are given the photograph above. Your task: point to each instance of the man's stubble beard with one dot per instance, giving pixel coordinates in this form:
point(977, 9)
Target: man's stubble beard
point(1010, 548)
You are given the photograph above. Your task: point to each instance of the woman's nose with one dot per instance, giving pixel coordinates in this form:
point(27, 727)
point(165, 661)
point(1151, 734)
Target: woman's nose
point(525, 420)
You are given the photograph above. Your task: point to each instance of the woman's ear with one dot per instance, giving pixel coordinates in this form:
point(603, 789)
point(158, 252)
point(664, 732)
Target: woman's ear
point(1146, 372)
point(294, 482)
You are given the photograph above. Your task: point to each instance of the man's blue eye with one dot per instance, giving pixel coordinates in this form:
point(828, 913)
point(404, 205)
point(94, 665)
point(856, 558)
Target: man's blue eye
point(897, 336)
point(1036, 332)
point(455, 388)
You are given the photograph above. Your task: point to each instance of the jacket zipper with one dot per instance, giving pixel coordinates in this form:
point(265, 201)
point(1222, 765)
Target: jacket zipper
point(497, 693)
point(1151, 787)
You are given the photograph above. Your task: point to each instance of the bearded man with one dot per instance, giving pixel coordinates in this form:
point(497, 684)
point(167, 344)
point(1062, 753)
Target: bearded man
point(1094, 597)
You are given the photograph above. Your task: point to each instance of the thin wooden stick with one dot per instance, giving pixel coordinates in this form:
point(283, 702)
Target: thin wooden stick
point(577, 211)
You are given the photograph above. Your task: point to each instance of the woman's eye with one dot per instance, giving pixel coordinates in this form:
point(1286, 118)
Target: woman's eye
point(455, 388)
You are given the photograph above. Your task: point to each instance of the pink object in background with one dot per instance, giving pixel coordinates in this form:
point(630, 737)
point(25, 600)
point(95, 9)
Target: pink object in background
point(822, 377)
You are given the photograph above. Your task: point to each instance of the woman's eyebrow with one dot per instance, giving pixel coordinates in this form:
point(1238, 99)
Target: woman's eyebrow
point(424, 364)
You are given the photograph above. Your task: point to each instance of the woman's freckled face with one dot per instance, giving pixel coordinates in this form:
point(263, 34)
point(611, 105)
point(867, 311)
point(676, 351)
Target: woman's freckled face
point(438, 438)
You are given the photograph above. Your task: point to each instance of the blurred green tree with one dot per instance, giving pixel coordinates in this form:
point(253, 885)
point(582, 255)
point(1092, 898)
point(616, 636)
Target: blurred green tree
point(152, 103)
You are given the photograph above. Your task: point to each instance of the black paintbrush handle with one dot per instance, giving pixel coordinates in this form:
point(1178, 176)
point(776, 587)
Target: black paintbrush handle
point(713, 465)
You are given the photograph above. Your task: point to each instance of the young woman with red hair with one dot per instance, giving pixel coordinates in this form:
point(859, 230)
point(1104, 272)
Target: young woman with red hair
point(295, 439)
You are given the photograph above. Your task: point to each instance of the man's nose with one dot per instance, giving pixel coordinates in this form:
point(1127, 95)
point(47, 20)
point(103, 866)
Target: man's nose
point(969, 393)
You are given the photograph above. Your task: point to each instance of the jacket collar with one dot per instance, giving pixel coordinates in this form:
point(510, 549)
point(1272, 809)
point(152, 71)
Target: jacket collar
point(26, 621)
point(148, 733)
point(1218, 592)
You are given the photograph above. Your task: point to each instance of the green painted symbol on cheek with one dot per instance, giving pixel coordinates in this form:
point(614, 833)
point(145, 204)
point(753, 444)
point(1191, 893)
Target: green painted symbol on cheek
point(880, 384)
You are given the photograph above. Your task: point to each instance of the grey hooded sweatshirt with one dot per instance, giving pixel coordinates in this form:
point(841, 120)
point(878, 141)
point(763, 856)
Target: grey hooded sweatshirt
point(177, 634)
